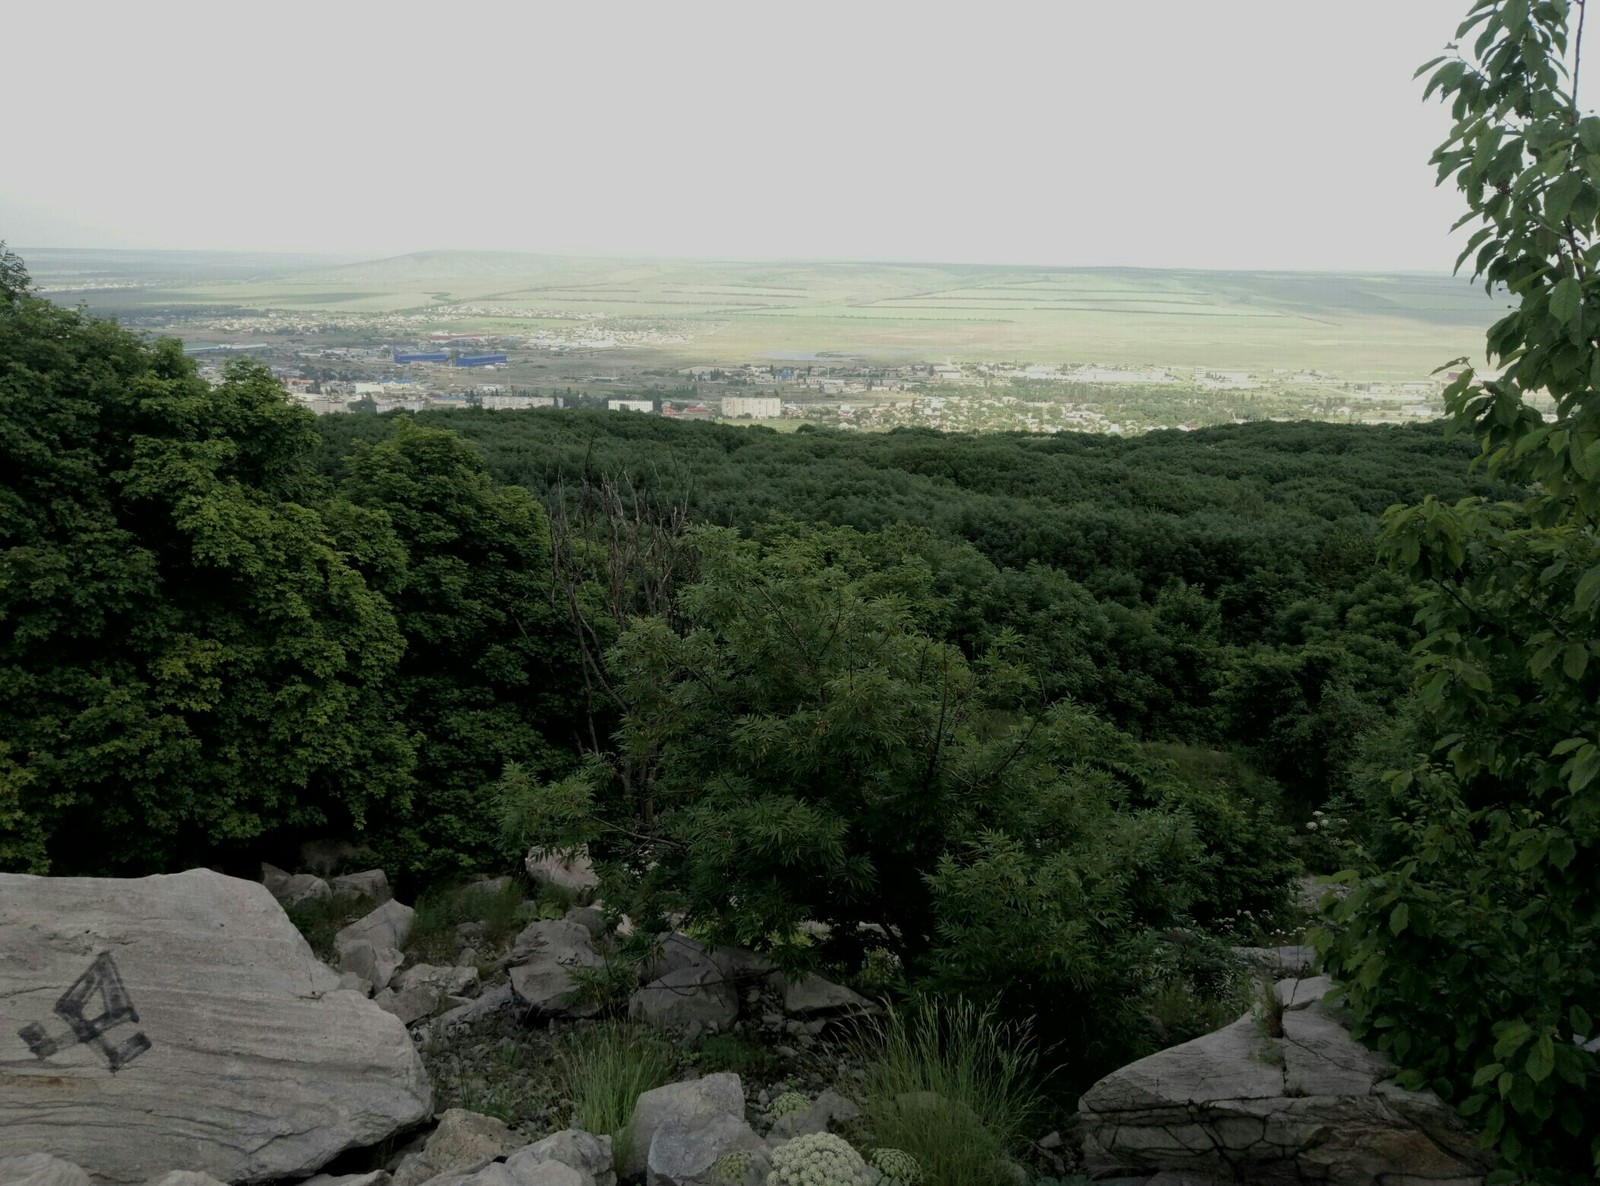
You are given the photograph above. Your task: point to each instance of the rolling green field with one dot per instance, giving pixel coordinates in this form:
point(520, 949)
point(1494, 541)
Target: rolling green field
point(1378, 326)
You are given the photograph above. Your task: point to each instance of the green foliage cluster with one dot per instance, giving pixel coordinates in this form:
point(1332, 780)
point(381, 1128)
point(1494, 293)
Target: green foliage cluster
point(207, 644)
point(1469, 945)
point(795, 752)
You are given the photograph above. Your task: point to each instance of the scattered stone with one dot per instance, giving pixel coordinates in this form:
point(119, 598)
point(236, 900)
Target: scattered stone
point(575, 873)
point(294, 889)
point(497, 998)
point(1051, 1140)
point(372, 884)
point(1280, 961)
point(247, 1061)
point(375, 1178)
point(1238, 1104)
point(589, 1155)
point(684, 997)
point(469, 933)
point(411, 1004)
point(543, 959)
point(40, 1169)
point(695, 1102)
point(490, 885)
point(184, 1178)
point(414, 1169)
point(464, 1138)
point(461, 981)
point(811, 995)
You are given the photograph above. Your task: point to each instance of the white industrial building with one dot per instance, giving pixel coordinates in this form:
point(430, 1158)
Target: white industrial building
point(758, 407)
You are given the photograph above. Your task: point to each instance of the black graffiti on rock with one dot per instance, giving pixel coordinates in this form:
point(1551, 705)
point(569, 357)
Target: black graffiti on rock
point(102, 980)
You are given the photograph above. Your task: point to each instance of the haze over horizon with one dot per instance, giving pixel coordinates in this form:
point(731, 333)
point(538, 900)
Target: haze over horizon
point(1241, 135)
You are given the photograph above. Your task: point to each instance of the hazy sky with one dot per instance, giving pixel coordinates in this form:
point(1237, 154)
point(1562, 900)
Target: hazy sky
point(1159, 133)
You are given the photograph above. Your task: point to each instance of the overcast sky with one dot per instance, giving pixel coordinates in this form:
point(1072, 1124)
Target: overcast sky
point(1156, 133)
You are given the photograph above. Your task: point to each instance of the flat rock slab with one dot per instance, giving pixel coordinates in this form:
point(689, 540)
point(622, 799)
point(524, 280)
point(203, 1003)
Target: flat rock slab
point(1309, 1105)
point(182, 1022)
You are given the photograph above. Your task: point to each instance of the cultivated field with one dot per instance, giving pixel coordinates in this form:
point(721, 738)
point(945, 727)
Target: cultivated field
point(1371, 326)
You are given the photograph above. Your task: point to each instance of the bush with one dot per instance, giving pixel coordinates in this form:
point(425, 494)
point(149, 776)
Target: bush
point(952, 1085)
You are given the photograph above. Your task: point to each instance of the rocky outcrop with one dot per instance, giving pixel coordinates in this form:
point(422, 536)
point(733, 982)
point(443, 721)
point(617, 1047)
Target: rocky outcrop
point(182, 1022)
point(1243, 1105)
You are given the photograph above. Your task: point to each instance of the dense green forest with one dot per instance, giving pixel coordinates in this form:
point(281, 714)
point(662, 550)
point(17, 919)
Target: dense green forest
point(1217, 588)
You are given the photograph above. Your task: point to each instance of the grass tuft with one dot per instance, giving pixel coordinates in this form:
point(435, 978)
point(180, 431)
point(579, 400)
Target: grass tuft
point(952, 1085)
point(604, 1069)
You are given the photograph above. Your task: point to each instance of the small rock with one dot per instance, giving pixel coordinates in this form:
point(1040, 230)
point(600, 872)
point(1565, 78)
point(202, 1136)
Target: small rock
point(683, 1151)
point(299, 889)
point(465, 1137)
point(40, 1169)
point(811, 995)
point(575, 873)
point(375, 1178)
point(184, 1178)
point(544, 957)
point(372, 884)
point(588, 916)
point(387, 926)
point(1050, 1140)
point(589, 1155)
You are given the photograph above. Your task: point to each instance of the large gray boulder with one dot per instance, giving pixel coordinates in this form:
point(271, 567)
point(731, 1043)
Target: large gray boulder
point(182, 1021)
point(544, 958)
point(683, 1151)
point(1243, 1105)
point(686, 997)
point(695, 1102)
point(387, 926)
point(40, 1169)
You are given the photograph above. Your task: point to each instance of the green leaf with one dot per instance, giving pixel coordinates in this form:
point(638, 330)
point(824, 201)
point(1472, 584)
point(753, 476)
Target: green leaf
point(1581, 1024)
point(1486, 1073)
point(1399, 918)
point(1541, 1059)
point(1589, 133)
point(1566, 300)
point(1560, 196)
point(1589, 586)
point(1574, 660)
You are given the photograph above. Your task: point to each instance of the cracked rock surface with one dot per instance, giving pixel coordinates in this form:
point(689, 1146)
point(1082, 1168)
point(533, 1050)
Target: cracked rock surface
point(1242, 1105)
point(153, 1023)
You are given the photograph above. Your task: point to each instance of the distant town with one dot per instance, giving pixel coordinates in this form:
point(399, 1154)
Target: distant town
point(499, 373)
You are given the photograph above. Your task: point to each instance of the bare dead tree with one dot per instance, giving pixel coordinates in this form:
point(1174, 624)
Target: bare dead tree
point(616, 556)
